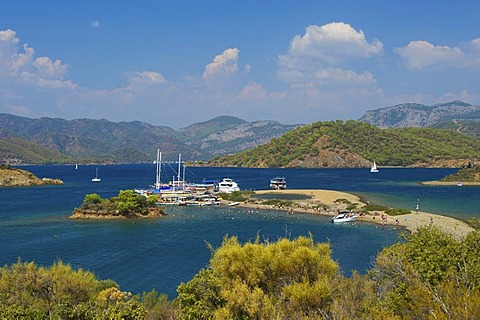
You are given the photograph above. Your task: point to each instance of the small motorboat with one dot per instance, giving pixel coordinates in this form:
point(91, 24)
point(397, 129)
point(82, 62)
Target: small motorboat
point(345, 217)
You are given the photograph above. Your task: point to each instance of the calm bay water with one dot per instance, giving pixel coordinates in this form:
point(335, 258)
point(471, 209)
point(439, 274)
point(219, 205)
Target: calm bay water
point(161, 253)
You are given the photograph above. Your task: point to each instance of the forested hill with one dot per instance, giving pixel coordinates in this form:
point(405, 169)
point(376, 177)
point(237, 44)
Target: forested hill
point(20, 151)
point(357, 144)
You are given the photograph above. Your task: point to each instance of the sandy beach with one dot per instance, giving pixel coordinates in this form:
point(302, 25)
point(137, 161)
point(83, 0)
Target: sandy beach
point(411, 222)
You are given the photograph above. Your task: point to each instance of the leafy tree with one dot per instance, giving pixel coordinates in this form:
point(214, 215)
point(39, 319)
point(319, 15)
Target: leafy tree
point(128, 200)
point(199, 298)
point(91, 200)
point(158, 306)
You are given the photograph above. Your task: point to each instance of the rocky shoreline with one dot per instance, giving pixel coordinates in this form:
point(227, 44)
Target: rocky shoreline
point(114, 214)
point(12, 177)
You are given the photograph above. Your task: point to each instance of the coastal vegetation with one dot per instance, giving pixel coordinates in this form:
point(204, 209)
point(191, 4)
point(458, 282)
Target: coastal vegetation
point(15, 150)
point(357, 144)
point(470, 173)
point(127, 204)
point(467, 127)
point(427, 275)
point(242, 195)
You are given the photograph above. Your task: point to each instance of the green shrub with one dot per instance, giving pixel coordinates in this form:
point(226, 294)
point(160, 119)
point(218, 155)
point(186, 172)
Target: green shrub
point(397, 212)
point(375, 207)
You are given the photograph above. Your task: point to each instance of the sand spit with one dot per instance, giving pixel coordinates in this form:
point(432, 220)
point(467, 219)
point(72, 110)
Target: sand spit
point(329, 198)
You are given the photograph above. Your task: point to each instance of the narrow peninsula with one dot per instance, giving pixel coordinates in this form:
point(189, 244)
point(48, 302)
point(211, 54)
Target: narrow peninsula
point(329, 203)
point(469, 176)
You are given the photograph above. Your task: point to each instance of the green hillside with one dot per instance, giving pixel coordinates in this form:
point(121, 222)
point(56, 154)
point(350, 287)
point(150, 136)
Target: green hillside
point(354, 144)
point(88, 140)
point(467, 174)
point(15, 150)
point(467, 127)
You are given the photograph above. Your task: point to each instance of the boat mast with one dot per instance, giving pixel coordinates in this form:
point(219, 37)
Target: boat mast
point(179, 167)
point(183, 182)
point(159, 169)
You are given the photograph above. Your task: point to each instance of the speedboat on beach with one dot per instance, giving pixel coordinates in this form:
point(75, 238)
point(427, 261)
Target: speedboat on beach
point(345, 217)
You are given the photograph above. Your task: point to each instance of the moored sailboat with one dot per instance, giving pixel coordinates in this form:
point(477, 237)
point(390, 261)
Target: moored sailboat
point(97, 177)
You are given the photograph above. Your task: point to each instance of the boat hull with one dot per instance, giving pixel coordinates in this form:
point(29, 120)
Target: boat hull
point(344, 218)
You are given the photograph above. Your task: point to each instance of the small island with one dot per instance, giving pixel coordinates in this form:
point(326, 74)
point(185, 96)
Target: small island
point(13, 177)
point(127, 204)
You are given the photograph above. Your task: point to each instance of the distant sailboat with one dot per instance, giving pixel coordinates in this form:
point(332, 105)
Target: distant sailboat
point(76, 166)
point(96, 178)
point(374, 167)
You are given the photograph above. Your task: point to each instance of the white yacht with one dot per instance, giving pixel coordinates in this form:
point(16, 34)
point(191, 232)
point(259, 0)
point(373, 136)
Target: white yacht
point(227, 185)
point(278, 183)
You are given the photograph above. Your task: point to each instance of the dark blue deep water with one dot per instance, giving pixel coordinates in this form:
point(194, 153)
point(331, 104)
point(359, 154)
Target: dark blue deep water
point(162, 253)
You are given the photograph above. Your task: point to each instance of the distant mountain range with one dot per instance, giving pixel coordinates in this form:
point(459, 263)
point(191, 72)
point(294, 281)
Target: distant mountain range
point(451, 115)
point(53, 140)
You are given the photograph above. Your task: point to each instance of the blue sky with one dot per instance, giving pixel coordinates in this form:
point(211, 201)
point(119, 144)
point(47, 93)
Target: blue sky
point(175, 63)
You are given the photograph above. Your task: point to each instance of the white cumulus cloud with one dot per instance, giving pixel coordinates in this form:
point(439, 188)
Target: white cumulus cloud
point(17, 64)
point(223, 64)
point(316, 58)
point(333, 43)
point(53, 69)
point(421, 54)
point(22, 60)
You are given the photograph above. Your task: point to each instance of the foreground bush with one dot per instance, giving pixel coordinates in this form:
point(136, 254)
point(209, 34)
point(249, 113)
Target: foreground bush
point(429, 275)
point(28, 291)
point(288, 278)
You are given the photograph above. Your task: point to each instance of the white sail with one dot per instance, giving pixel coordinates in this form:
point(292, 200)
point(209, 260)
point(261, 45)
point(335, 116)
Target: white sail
point(374, 167)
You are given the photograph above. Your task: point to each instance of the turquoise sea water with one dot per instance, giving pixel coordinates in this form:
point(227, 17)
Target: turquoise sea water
point(161, 253)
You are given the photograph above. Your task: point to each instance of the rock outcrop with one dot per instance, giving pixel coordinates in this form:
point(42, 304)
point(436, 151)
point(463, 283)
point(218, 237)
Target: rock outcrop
point(21, 178)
